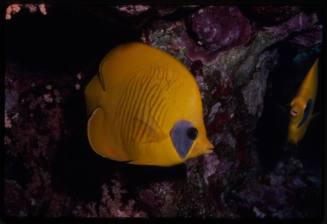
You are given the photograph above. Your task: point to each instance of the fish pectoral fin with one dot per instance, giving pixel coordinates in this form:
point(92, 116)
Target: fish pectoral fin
point(96, 132)
point(150, 131)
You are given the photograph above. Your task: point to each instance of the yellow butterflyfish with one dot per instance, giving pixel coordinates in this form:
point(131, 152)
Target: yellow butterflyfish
point(302, 105)
point(145, 108)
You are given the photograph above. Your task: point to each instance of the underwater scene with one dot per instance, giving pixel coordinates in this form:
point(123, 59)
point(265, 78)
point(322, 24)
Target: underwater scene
point(205, 111)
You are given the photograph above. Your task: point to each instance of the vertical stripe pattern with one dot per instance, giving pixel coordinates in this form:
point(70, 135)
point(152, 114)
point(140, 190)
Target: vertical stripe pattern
point(144, 101)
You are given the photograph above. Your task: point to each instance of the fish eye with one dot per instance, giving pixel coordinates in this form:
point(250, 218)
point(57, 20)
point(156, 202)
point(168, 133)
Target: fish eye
point(192, 133)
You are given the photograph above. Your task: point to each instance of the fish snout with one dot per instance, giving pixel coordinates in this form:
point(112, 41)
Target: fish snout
point(296, 110)
point(297, 106)
point(202, 146)
point(209, 146)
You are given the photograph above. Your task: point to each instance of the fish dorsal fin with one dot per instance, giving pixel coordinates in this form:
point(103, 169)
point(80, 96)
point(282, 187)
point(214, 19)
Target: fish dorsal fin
point(96, 132)
point(93, 94)
point(101, 81)
point(148, 130)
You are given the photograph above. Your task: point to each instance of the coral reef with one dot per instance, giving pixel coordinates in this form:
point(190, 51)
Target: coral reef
point(235, 54)
point(111, 205)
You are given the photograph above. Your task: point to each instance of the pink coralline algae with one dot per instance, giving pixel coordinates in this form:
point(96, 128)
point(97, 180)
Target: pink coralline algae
point(132, 10)
point(220, 27)
point(32, 8)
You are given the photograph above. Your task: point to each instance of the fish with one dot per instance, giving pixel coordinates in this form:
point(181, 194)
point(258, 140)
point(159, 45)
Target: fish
point(301, 111)
point(144, 108)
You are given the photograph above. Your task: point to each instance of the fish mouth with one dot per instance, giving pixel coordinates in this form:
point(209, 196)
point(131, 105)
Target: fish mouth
point(294, 113)
point(210, 147)
point(202, 147)
point(207, 144)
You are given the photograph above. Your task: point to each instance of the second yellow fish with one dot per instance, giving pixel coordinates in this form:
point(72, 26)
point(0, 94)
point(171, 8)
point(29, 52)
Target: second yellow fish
point(145, 108)
point(302, 105)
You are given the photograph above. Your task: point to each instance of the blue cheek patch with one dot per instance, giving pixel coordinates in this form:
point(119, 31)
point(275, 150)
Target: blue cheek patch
point(306, 113)
point(180, 139)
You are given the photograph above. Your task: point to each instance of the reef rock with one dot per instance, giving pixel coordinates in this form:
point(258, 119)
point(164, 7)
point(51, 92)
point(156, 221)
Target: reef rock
point(271, 14)
point(220, 27)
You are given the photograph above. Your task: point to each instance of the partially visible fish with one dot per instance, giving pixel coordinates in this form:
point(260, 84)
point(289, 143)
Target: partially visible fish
point(302, 105)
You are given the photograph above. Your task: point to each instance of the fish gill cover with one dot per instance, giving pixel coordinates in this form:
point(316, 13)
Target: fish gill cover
point(248, 62)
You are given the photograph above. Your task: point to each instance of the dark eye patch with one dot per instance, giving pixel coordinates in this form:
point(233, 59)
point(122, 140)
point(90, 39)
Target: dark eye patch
point(182, 135)
point(306, 113)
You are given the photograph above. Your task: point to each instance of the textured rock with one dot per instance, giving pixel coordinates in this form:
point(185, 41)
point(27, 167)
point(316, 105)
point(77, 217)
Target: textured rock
point(220, 27)
point(308, 38)
point(269, 14)
point(166, 10)
point(14, 199)
point(233, 85)
point(254, 100)
point(132, 10)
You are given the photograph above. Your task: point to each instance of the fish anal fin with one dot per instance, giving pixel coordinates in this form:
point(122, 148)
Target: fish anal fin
point(151, 131)
point(98, 140)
